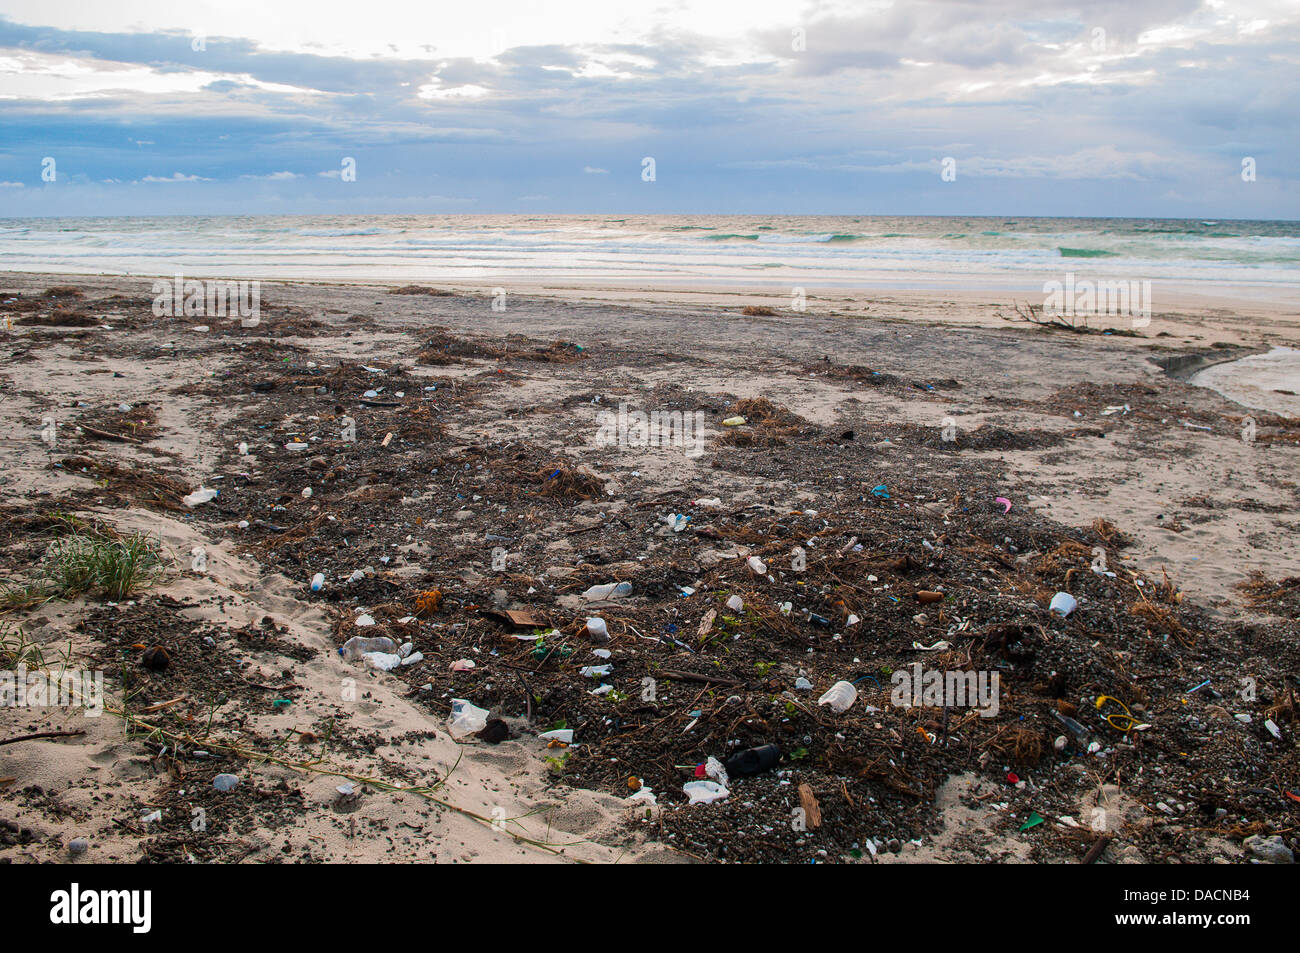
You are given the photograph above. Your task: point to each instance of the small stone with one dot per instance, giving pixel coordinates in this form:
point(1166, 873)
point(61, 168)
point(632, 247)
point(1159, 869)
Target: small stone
point(1271, 850)
point(78, 845)
point(225, 782)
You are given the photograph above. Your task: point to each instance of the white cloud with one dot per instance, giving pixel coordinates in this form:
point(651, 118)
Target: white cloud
point(592, 170)
point(466, 91)
point(276, 176)
point(175, 177)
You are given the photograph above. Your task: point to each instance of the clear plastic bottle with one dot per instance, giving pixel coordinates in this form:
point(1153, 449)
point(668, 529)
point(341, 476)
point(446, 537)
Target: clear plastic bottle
point(357, 646)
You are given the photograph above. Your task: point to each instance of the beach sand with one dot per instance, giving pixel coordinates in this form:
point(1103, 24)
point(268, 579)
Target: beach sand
point(1072, 429)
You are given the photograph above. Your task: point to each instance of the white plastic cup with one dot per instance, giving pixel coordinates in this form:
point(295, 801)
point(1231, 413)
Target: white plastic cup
point(840, 697)
point(1063, 604)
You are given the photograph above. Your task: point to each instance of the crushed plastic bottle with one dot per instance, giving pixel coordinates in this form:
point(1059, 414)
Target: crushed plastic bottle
point(610, 590)
point(357, 646)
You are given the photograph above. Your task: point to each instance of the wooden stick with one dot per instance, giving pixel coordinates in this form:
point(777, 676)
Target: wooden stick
point(42, 734)
point(109, 435)
point(162, 705)
point(1097, 847)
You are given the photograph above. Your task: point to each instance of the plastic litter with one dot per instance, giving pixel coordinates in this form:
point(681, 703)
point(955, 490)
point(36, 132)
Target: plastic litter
point(753, 760)
point(384, 661)
point(597, 629)
point(840, 697)
point(1073, 726)
point(200, 496)
point(357, 646)
point(643, 794)
point(318, 582)
point(1063, 604)
point(465, 718)
point(610, 590)
point(1034, 821)
point(704, 792)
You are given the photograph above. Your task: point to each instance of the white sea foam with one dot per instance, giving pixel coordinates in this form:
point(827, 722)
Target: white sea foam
point(773, 251)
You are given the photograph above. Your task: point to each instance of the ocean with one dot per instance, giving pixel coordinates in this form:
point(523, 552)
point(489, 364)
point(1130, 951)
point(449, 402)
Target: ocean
point(1250, 258)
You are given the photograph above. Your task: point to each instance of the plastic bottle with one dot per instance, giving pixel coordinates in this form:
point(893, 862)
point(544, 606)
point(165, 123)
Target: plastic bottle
point(610, 590)
point(357, 646)
point(318, 582)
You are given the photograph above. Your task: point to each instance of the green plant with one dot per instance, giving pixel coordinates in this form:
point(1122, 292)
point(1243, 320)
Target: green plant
point(89, 560)
point(556, 763)
point(22, 595)
point(16, 649)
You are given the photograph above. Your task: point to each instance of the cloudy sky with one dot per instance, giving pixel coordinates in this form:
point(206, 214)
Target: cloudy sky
point(1099, 107)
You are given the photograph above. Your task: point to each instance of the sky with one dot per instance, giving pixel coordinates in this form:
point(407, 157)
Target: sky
point(1129, 108)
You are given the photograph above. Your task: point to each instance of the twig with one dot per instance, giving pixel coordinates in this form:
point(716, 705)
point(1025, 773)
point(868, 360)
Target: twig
point(42, 734)
point(1098, 846)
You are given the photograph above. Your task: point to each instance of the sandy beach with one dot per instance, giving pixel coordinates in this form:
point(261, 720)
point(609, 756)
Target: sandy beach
point(944, 468)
